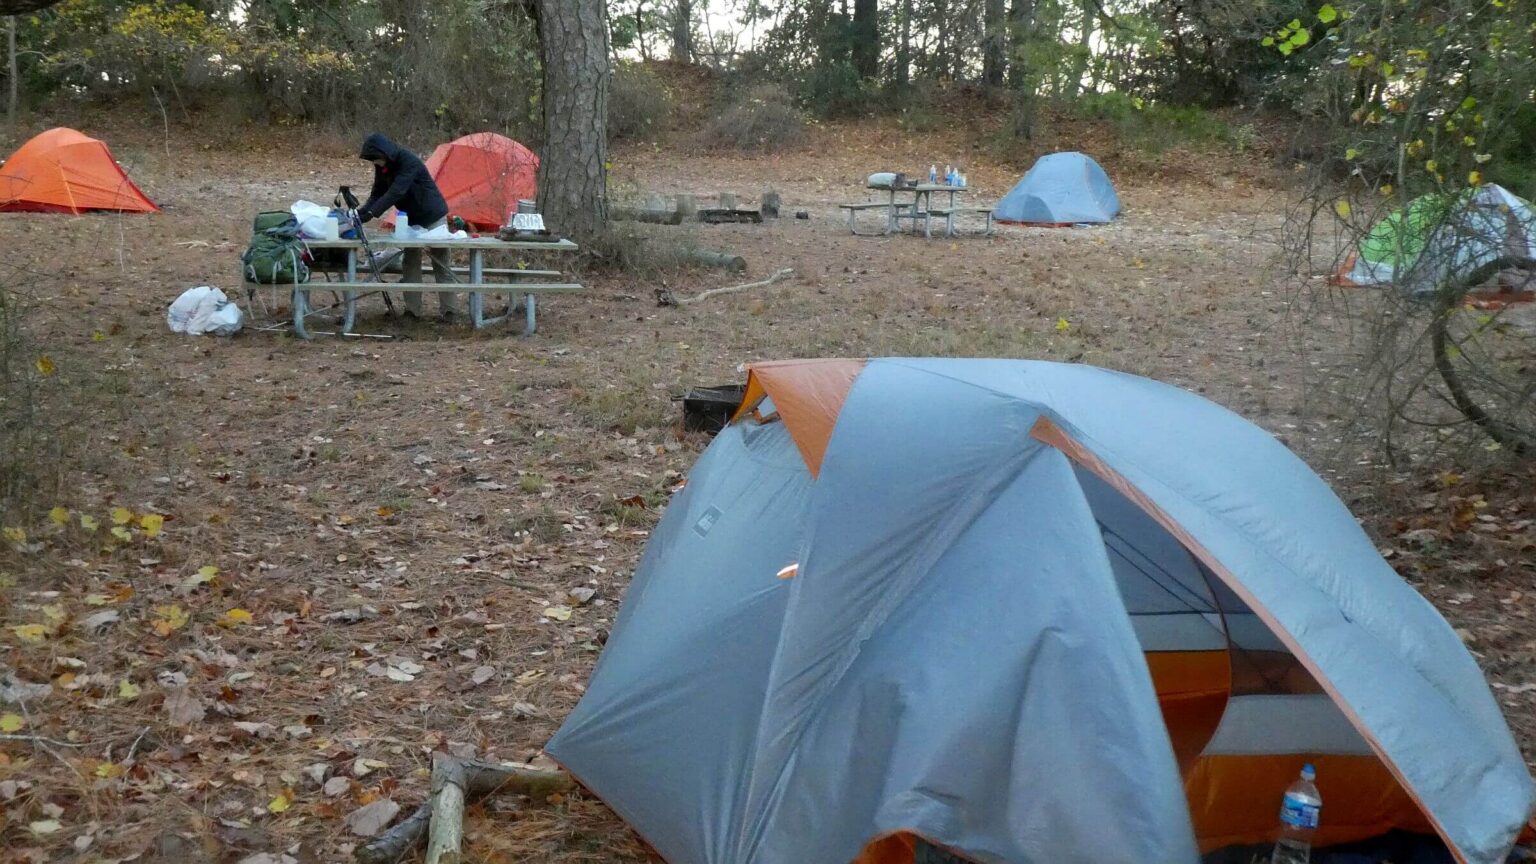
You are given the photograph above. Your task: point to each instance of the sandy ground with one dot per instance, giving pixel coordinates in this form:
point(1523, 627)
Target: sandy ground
point(450, 488)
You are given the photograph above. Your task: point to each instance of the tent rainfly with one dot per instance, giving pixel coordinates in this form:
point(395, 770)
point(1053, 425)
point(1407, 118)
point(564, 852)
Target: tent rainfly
point(482, 176)
point(65, 171)
point(1060, 189)
point(1028, 612)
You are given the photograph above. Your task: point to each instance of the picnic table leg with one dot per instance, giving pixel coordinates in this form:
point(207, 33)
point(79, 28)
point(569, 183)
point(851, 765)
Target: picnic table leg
point(300, 311)
point(531, 322)
point(890, 212)
point(349, 313)
point(476, 299)
point(949, 221)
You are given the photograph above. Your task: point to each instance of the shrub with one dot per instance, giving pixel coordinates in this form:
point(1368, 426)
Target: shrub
point(639, 104)
point(764, 118)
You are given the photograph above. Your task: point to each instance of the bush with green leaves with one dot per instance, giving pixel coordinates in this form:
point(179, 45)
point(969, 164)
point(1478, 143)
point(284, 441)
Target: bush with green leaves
point(639, 104)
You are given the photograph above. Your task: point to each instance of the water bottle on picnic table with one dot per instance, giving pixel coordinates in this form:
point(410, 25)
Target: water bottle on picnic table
point(933, 173)
point(1299, 812)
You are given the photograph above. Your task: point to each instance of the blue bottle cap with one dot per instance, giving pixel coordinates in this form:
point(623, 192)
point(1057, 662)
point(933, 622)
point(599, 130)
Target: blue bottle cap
point(1308, 772)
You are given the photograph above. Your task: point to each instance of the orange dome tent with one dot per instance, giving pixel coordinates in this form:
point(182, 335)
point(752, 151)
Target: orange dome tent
point(482, 175)
point(65, 171)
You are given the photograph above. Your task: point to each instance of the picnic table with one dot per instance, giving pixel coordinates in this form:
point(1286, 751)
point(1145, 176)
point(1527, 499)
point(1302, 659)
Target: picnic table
point(482, 280)
point(919, 209)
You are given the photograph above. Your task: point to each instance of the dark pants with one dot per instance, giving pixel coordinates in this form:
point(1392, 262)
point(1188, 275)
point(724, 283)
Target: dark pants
point(442, 272)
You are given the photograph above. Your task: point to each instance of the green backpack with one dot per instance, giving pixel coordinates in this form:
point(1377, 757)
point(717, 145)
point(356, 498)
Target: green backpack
point(276, 254)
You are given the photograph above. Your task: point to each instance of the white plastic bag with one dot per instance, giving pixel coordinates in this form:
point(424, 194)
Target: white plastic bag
point(203, 309)
point(312, 219)
point(441, 232)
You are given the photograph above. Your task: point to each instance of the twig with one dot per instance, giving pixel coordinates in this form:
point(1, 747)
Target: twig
point(665, 297)
point(164, 119)
point(445, 837)
point(38, 739)
point(135, 748)
point(478, 779)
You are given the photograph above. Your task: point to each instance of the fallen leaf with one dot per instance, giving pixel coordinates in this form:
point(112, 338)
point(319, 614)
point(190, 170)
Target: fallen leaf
point(45, 367)
point(59, 515)
point(88, 523)
point(1063, 324)
point(151, 523)
point(203, 576)
point(258, 730)
point(100, 620)
point(482, 674)
point(559, 613)
point(352, 615)
point(127, 690)
point(317, 772)
point(169, 619)
point(183, 706)
point(11, 722)
point(280, 804)
point(121, 515)
point(45, 827)
point(336, 785)
point(234, 617)
point(370, 819)
point(121, 533)
point(398, 675)
point(30, 632)
point(109, 771)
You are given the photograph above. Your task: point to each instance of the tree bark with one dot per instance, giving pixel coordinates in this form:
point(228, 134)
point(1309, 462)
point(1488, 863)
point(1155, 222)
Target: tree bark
point(995, 48)
point(11, 74)
point(573, 178)
point(866, 38)
point(1084, 46)
point(1021, 25)
point(904, 50)
point(682, 31)
point(21, 7)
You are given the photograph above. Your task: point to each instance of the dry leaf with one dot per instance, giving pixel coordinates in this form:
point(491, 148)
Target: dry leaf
point(88, 523)
point(370, 819)
point(280, 804)
point(127, 690)
point(30, 632)
point(234, 617)
point(109, 771)
point(398, 675)
point(59, 515)
point(11, 722)
point(559, 613)
point(336, 786)
point(97, 622)
point(45, 827)
point(582, 595)
point(151, 523)
point(121, 533)
point(169, 619)
point(183, 706)
point(203, 576)
point(121, 515)
point(259, 730)
point(482, 674)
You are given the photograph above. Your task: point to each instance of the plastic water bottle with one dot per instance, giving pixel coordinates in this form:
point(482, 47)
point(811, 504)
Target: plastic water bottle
point(1299, 812)
point(933, 173)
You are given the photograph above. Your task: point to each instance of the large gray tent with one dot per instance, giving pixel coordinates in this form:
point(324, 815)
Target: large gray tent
point(1033, 613)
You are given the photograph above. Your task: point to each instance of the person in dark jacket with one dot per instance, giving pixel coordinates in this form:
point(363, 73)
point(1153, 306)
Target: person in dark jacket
point(401, 180)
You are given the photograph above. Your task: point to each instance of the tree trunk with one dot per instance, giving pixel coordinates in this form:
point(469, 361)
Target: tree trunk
point(1021, 25)
point(904, 50)
point(682, 31)
point(11, 74)
point(995, 47)
point(1084, 47)
point(866, 38)
point(645, 52)
point(573, 181)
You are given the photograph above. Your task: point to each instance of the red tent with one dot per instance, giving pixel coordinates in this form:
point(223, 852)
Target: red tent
point(64, 171)
point(483, 175)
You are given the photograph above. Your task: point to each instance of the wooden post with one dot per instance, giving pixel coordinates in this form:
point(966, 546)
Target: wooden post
point(727, 200)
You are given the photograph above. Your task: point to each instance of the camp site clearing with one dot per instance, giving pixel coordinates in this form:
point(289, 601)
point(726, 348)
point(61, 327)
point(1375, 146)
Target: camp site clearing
point(374, 549)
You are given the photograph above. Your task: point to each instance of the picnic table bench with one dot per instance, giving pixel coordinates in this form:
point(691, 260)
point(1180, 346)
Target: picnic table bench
point(515, 283)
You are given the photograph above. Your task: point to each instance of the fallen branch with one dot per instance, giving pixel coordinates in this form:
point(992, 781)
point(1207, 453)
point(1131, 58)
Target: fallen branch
point(443, 818)
point(38, 739)
point(664, 297)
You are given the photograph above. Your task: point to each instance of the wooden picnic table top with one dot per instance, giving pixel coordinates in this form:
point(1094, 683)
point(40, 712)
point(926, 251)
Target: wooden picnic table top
point(922, 187)
point(482, 243)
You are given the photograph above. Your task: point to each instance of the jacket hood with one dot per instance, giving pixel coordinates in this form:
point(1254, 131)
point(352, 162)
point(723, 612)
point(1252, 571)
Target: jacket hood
point(376, 146)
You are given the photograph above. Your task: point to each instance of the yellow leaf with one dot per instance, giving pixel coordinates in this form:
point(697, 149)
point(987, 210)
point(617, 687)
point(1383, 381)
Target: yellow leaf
point(151, 523)
point(45, 366)
point(1386, 188)
point(203, 576)
point(169, 619)
point(234, 617)
point(386, 512)
point(11, 722)
point(98, 336)
point(55, 612)
point(109, 771)
point(1062, 324)
point(121, 515)
point(1431, 165)
point(1342, 208)
point(88, 523)
point(30, 632)
point(59, 515)
point(15, 535)
point(97, 599)
point(1475, 178)
point(559, 613)
point(279, 804)
point(121, 533)
point(127, 690)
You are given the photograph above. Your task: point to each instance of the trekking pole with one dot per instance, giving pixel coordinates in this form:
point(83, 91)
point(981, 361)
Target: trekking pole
point(350, 201)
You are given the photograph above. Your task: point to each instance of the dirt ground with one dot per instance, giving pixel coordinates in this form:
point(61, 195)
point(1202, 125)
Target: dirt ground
point(397, 525)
